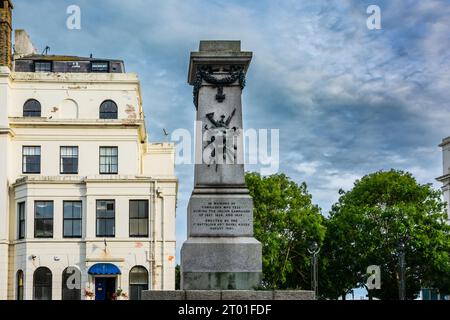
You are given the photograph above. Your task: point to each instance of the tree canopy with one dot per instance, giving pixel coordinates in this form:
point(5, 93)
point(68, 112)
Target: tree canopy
point(369, 224)
point(286, 222)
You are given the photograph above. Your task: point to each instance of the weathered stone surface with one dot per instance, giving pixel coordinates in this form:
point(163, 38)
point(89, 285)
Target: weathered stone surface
point(247, 295)
point(215, 53)
point(203, 295)
point(229, 254)
point(221, 263)
point(220, 280)
point(163, 295)
point(255, 295)
point(220, 216)
point(293, 295)
point(214, 45)
point(216, 170)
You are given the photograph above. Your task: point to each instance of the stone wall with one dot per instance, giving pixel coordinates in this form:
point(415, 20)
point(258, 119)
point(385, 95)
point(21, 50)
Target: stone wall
point(229, 295)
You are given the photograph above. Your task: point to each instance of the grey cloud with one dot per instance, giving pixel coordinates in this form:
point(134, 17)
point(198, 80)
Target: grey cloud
point(347, 101)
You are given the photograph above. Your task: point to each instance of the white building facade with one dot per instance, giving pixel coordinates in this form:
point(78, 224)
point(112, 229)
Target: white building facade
point(87, 205)
point(445, 178)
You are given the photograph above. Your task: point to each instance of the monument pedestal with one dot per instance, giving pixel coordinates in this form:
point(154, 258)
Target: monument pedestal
point(220, 253)
point(238, 295)
point(221, 263)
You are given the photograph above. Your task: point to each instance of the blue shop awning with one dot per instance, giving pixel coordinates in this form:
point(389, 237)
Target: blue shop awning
point(104, 268)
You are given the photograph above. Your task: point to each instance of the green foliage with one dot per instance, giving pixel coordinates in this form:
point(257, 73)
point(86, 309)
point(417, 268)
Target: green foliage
point(177, 277)
point(366, 227)
point(286, 223)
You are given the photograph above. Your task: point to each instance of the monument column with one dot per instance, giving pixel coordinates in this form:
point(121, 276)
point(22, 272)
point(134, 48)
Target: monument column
point(220, 252)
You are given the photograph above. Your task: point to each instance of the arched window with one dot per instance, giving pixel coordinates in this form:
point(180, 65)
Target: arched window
point(138, 282)
point(32, 108)
point(108, 110)
point(42, 284)
point(71, 284)
point(19, 287)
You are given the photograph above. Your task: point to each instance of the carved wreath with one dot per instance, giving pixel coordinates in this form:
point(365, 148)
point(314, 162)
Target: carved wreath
point(236, 73)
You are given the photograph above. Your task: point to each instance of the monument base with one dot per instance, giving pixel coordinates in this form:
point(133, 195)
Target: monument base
point(221, 263)
point(255, 295)
point(221, 280)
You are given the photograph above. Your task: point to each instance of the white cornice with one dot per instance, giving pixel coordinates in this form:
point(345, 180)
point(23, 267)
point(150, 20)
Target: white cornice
point(87, 78)
point(5, 71)
point(84, 241)
point(160, 148)
point(65, 137)
point(110, 179)
point(44, 122)
point(79, 124)
point(443, 178)
point(7, 131)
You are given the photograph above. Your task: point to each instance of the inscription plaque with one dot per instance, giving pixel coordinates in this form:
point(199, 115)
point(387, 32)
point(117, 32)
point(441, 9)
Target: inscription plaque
point(221, 217)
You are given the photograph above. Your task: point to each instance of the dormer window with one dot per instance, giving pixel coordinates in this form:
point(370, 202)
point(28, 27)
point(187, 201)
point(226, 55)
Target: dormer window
point(42, 66)
point(108, 110)
point(100, 66)
point(32, 108)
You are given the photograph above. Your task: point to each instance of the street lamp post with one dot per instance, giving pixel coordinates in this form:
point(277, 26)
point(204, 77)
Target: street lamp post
point(313, 251)
point(402, 285)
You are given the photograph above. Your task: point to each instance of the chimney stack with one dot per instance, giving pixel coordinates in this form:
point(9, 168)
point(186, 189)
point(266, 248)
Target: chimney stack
point(22, 44)
point(6, 7)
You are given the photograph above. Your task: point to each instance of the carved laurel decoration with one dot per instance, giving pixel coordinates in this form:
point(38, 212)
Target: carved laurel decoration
point(236, 73)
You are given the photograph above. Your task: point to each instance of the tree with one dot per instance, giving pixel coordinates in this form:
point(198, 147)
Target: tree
point(285, 222)
point(368, 226)
point(177, 277)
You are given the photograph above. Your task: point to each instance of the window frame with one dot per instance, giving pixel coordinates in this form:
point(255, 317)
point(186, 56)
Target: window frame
point(49, 286)
point(146, 218)
point(23, 160)
point(36, 219)
point(72, 219)
point(61, 160)
point(100, 156)
point(108, 67)
point(108, 112)
point(66, 293)
point(21, 221)
point(50, 63)
point(97, 220)
point(20, 278)
point(33, 113)
point(141, 286)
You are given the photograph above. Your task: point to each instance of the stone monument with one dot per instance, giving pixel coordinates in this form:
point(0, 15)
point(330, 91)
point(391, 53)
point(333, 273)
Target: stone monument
point(220, 260)
point(220, 252)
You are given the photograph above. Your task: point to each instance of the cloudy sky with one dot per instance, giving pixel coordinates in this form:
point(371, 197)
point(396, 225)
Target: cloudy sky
point(347, 100)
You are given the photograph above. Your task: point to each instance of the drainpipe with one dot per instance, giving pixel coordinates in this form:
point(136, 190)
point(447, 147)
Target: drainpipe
point(150, 253)
point(163, 237)
point(153, 243)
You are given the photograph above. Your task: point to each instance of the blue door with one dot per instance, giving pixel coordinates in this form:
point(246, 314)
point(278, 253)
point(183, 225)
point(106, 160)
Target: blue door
point(105, 288)
point(100, 288)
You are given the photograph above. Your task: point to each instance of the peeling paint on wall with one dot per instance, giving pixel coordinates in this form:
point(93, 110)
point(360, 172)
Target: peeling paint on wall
point(131, 112)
